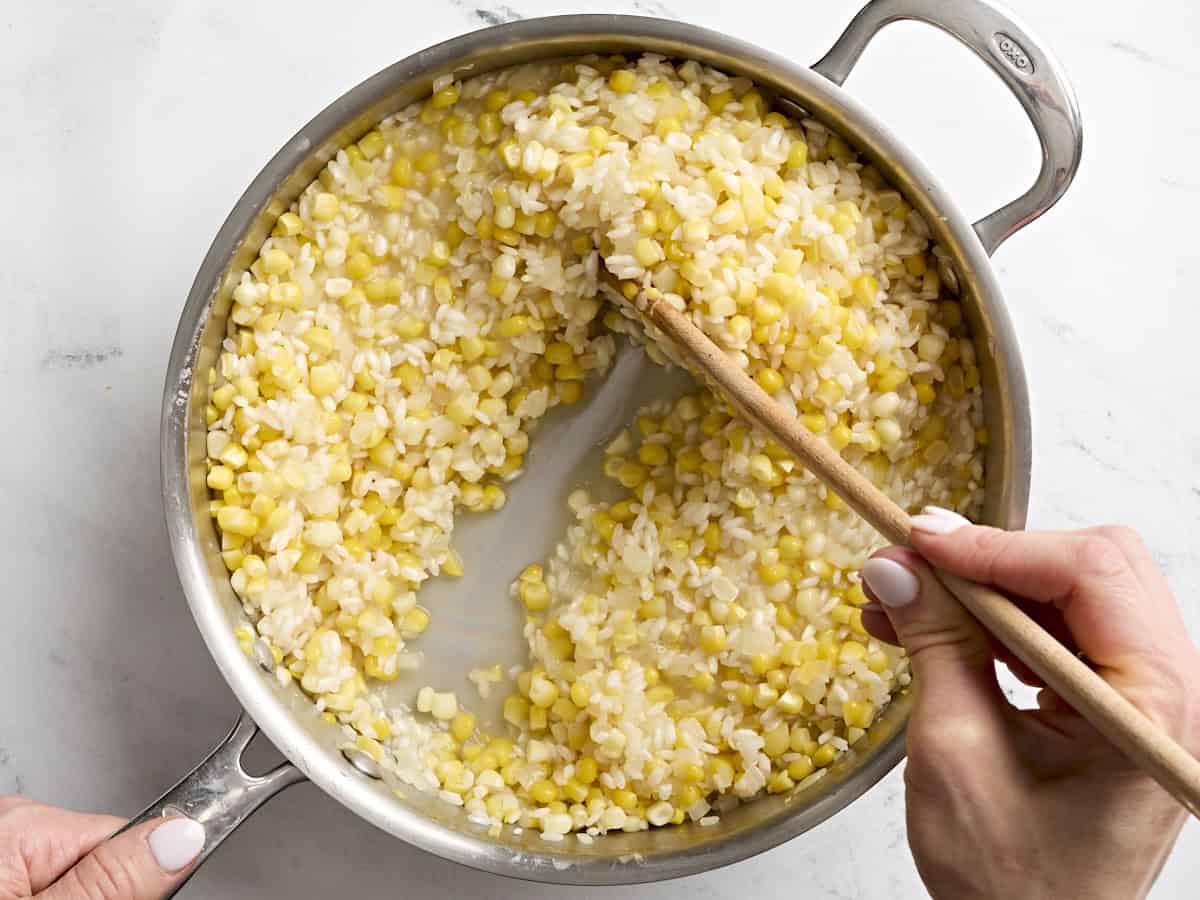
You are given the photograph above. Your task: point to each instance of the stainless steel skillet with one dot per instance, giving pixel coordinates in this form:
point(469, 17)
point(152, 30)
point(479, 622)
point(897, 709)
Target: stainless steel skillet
point(475, 614)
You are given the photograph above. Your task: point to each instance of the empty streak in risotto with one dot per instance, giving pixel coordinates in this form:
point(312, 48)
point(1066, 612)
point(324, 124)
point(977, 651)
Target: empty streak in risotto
point(436, 291)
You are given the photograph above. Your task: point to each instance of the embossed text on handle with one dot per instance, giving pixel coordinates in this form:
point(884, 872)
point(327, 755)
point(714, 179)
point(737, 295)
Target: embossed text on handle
point(1013, 52)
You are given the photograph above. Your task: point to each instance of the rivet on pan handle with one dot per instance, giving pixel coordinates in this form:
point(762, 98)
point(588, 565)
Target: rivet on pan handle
point(219, 793)
point(1030, 72)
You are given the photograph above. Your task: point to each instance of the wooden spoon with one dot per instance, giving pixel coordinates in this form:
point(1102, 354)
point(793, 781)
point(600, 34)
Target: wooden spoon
point(1143, 742)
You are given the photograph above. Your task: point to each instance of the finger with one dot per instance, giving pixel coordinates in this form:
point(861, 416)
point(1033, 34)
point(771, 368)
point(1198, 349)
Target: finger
point(878, 625)
point(950, 654)
point(1085, 575)
point(140, 864)
point(958, 724)
point(49, 841)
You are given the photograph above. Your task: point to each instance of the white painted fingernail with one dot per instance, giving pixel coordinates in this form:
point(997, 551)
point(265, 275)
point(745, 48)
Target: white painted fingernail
point(890, 582)
point(935, 520)
point(176, 843)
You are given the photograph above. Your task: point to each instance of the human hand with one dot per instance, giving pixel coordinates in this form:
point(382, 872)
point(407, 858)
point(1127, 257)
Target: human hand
point(1008, 803)
point(56, 854)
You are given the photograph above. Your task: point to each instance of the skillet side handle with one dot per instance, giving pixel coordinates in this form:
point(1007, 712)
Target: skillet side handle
point(219, 793)
point(1033, 75)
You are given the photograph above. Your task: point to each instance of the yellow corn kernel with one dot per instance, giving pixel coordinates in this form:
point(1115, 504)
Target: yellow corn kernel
point(391, 196)
point(426, 162)
point(891, 379)
point(773, 573)
point(622, 81)
point(653, 454)
point(289, 224)
point(702, 681)
point(776, 742)
point(769, 380)
point(586, 770)
point(496, 99)
point(543, 792)
point(402, 172)
point(851, 651)
point(325, 207)
point(718, 100)
point(800, 768)
point(631, 475)
point(858, 713)
point(624, 798)
point(444, 98)
point(824, 755)
point(223, 396)
point(516, 710)
point(797, 155)
point(542, 691)
point(371, 144)
point(220, 478)
point(319, 340)
point(324, 379)
point(462, 726)
point(829, 391)
point(647, 252)
point(236, 520)
point(277, 262)
point(514, 326)
point(415, 621)
point(712, 638)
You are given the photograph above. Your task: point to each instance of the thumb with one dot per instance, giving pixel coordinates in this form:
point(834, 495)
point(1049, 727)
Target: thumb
point(144, 863)
point(950, 654)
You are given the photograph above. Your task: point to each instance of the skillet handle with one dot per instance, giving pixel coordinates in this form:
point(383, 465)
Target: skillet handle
point(1029, 70)
point(219, 793)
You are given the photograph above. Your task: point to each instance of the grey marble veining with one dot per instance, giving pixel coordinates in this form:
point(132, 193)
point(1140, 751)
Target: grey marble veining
point(135, 125)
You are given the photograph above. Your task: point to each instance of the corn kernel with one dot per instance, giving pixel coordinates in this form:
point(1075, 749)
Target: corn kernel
point(325, 207)
point(769, 380)
point(622, 81)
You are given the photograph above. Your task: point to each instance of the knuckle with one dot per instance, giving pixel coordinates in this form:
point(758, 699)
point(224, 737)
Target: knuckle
point(1099, 555)
point(1122, 535)
point(940, 742)
point(987, 548)
point(958, 640)
point(106, 876)
point(944, 755)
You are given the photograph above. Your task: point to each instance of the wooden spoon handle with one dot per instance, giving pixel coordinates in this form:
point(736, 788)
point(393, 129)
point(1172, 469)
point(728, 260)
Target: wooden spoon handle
point(1143, 742)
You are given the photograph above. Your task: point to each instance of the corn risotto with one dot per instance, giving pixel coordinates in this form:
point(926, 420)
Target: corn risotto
point(438, 289)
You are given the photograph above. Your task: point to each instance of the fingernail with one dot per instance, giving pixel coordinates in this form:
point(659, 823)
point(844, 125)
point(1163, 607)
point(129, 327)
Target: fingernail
point(176, 843)
point(891, 583)
point(935, 520)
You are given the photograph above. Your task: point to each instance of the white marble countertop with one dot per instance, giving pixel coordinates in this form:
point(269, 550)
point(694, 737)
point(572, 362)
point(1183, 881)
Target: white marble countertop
point(139, 122)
